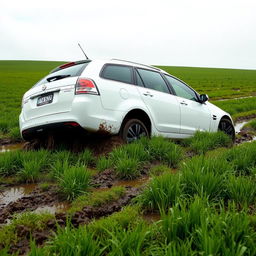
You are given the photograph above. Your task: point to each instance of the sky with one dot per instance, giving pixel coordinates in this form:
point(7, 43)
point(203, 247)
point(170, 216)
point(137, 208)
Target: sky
point(198, 33)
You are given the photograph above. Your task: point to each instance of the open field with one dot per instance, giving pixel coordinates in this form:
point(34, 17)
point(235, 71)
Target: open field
point(16, 77)
point(217, 83)
point(152, 197)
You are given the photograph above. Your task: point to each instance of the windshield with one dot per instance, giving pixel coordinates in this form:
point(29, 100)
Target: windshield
point(75, 70)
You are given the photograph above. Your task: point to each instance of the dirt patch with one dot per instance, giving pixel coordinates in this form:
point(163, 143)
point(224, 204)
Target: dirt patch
point(10, 147)
point(104, 179)
point(245, 118)
point(99, 144)
point(10, 141)
point(78, 218)
point(30, 202)
point(245, 135)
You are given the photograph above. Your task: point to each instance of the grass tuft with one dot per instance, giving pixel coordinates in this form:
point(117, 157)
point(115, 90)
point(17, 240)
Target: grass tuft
point(74, 181)
point(201, 142)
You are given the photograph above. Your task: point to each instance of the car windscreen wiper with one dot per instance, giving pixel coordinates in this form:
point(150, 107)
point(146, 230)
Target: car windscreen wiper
point(54, 78)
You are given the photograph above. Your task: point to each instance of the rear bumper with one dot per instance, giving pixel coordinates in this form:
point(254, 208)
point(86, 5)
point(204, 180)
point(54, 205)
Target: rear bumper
point(86, 111)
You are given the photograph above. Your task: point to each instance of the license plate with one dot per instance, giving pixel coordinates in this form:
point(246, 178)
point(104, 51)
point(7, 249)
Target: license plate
point(45, 99)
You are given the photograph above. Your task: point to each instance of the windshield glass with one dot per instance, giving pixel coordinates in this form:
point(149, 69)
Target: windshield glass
point(75, 70)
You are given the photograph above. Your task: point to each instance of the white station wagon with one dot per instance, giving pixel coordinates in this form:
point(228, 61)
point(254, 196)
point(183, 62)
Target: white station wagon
point(118, 97)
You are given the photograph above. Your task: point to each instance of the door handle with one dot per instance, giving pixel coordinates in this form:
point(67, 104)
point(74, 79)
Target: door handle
point(184, 103)
point(148, 94)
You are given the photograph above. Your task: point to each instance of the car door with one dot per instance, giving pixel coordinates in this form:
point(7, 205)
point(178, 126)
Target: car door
point(194, 115)
point(163, 106)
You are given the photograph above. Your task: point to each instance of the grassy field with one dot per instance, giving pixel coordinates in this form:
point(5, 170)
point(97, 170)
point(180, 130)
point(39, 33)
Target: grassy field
point(152, 197)
point(16, 77)
point(205, 206)
point(217, 83)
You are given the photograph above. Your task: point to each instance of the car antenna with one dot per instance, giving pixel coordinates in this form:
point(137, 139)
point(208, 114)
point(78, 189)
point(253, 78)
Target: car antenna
point(83, 51)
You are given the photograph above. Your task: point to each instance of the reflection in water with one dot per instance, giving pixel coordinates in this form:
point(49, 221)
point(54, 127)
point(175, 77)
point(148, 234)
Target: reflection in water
point(58, 207)
point(11, 147)
point(14, 193)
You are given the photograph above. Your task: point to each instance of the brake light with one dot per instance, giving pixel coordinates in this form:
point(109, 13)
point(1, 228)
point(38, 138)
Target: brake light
point(66, 65)
point(86, 86)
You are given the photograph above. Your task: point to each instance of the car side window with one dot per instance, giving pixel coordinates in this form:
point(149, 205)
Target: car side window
point(181, 89)
point(153, 80)
point(117, 73)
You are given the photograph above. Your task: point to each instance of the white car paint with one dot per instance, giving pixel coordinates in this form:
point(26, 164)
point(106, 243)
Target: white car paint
point(170, 115)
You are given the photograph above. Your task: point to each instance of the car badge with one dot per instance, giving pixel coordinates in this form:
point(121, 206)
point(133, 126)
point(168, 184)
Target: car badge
point(44, 87)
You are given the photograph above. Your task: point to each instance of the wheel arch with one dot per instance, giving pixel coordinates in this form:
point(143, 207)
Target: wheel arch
point(140, 114)
point(225, 117)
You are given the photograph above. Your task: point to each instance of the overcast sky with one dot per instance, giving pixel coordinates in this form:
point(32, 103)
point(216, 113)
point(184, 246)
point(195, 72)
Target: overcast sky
point(202, 33)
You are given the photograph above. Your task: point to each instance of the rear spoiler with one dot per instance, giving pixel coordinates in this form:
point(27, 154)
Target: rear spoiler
point(69, 64)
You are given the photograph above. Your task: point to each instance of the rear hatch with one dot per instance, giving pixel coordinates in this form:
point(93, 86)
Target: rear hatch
point(54, 93)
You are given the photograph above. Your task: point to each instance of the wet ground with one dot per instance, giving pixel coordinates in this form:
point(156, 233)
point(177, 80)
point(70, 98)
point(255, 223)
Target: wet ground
point(11, 147)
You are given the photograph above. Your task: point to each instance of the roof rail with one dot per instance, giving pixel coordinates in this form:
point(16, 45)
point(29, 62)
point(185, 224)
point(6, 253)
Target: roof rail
point(138, 64)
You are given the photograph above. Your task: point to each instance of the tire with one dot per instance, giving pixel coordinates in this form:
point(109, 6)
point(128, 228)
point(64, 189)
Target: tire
point(227, 127)
point(133, 130)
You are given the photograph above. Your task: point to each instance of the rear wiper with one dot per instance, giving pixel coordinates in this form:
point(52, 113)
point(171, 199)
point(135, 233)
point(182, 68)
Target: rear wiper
point(54, 78)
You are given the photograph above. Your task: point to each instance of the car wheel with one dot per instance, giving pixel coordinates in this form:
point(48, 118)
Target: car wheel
point(226, 126)
point(133, 130)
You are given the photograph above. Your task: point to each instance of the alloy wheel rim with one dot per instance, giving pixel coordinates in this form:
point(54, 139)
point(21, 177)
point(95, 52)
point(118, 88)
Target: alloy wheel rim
point(135, 132)
point(227, 128)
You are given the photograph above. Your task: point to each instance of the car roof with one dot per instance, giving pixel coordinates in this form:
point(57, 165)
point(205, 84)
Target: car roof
point(135, 64)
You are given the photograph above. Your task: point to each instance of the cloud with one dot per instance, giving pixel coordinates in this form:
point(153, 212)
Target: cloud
point(188, 33)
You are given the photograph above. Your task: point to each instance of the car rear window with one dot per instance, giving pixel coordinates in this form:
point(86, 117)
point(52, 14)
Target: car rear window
point(117, 73)
point(75, 70)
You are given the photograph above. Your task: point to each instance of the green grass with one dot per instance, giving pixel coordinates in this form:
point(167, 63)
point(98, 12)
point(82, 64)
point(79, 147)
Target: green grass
point(238, 108)
point(158, 170)
point(16, 77)
point(165, 151)
point(217, 82)
point(103, 163)
point(72, 242)
point(162, 192)
point(127, 168)
point(241, 190)
point(251, 124)
point(243, 157)
point(201, 142)
point(97, 198)
point(74, 181)
point(32, 221)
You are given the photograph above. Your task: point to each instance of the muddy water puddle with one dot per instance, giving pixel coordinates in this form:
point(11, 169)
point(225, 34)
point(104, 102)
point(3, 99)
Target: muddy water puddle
point(58, 207)
point(151, 217)
point(14, 193)
point(132, 183)
point(11, 147)
point(239, 126)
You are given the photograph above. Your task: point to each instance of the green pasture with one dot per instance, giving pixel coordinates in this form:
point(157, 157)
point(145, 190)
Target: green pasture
point(16, 77)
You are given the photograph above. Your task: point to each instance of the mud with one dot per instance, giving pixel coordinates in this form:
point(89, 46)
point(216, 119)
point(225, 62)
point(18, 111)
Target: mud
point(9, 141)
point(132, 183)
point(10, 147)
point(151, 217)
point(245, 118)
point(244, 134)
point(14, 193)
point(37, 198)
point(82, 217)
point(104, 179)
point(99, 143)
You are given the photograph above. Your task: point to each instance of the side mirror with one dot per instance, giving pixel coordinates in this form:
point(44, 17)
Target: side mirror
point(203, 98)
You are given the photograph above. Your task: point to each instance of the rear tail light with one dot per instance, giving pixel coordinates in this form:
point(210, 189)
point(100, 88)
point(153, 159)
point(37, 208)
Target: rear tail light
point(86, 86)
